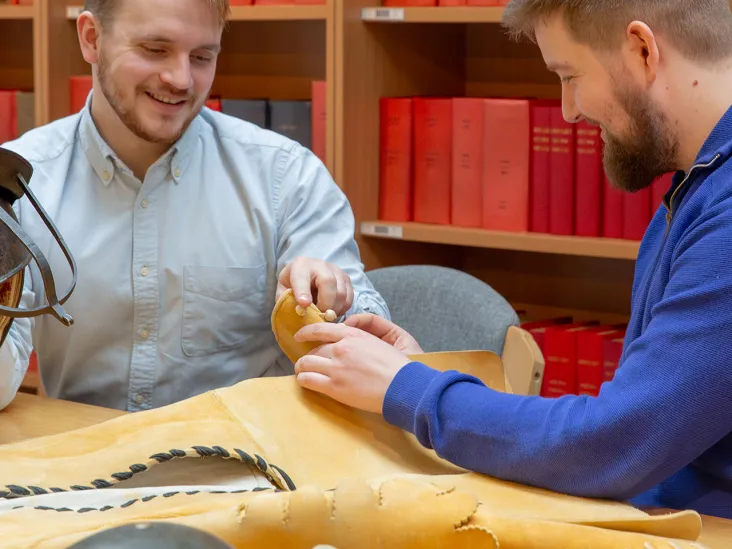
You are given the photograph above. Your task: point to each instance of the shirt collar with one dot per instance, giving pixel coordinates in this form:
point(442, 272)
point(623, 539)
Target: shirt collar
point(104, 161)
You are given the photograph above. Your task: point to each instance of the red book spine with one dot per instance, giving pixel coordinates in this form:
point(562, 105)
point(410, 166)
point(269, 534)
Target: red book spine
point(482, 2)
point(540, 167)
point(467, 162)
point(318, 115)
point(214, 103)
point(8, 116)
point(636, 213)
point(80, 86)
point(451, 2)
point(612, 210)
point(561, 175)
point(395, 164)
point(612, 350)
point(413, 3)
point(506, 158)
point(590, 373)
point(432, 160)
point(537, 328)
point(589, 180)
point(560, 358)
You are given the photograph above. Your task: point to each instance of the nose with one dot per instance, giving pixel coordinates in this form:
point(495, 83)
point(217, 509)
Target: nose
point(177, 72)
point(570, 112)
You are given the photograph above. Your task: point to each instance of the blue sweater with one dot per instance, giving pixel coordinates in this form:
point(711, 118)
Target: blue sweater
point(659, 433)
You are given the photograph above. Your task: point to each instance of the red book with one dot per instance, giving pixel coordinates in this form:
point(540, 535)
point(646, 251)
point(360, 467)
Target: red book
point(451, 2)
point(240, 2)
point(214, 103)
point(561, 175)
point(319, 117)
point(540, 167)
point(612, 350)
point(8, 116)
point(395, 163)
point(432, 160)
point(482, 2)
point(589, 180)
point(506, 158)
point(537, 328)
point(467, 162)
point(636, 213)
point(560, 358)
point(397, 3)
point(590, 372)
point(79, 89)
point(612, 210)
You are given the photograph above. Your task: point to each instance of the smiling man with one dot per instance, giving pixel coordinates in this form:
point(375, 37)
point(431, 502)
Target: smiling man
point(656, 76)
point(186, 224)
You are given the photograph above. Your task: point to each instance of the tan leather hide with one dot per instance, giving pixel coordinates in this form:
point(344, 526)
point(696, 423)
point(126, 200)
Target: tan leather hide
point(265, 463)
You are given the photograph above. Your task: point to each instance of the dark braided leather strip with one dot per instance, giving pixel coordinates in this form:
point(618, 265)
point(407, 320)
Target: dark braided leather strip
point(274, 474)
point(144, 499)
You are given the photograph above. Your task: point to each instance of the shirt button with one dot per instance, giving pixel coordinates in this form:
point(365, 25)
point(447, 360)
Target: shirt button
point(106, 175)
point(144, 334)
point(177, 172)
point(143, 203)
point(139, 398)
point(143, 271)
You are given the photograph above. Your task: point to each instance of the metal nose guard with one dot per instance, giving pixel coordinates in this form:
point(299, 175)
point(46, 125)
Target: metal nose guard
point(17, 248)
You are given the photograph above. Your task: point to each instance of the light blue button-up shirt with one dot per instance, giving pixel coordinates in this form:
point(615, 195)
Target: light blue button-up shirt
point(177, 274)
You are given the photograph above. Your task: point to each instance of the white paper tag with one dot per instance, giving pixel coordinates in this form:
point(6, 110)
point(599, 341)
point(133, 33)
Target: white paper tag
point(73, 12)
point(382, 14)
point(377, 229)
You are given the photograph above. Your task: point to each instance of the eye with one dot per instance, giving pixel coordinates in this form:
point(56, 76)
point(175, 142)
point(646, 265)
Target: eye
point(202, 58)
point(155, 51)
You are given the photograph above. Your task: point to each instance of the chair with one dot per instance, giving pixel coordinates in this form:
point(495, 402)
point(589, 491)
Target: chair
point(450, 310)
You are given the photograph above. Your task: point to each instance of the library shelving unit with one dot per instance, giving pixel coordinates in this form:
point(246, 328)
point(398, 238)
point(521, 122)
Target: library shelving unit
point(268, 51)
point(20, 51)
point(460, 52)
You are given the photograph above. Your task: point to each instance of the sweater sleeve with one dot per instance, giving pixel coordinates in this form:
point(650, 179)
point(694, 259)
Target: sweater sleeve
point(668, 403)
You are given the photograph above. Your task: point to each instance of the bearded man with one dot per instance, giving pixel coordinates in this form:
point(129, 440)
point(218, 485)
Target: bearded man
point(186, 224)
point(656, 77)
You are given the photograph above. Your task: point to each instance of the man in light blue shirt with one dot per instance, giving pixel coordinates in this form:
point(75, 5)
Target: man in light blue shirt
point(185, 223)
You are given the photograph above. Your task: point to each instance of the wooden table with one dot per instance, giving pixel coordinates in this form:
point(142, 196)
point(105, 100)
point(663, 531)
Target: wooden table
point(32, 416)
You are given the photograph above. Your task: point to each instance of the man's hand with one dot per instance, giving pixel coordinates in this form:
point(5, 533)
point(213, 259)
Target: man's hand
point(386, 331)
point(351, 366)
point(315, 281)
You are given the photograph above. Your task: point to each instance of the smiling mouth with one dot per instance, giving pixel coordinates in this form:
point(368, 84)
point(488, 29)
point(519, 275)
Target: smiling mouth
point(166, 100)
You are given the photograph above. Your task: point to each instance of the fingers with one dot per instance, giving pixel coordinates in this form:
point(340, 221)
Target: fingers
point(326, 285)
point(373, 324)
point(313, 364)
point(325, 332)
point(314, 382)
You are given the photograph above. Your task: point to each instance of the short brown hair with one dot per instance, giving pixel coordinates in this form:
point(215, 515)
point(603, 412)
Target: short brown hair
point(701, 30)
point(102, 9)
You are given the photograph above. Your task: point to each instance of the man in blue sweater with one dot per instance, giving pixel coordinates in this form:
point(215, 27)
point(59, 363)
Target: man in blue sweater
point(656, 76)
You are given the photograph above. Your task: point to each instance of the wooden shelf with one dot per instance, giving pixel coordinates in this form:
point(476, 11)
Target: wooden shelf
point(16, 12)
point(467, 14)
point(257, 13)
point(608, 248)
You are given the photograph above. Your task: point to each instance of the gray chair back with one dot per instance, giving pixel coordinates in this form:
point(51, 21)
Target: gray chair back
point(445, 309)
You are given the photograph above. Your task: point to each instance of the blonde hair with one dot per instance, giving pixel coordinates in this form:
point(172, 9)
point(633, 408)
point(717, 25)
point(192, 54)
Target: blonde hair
point(701, 30)
point(103, 9)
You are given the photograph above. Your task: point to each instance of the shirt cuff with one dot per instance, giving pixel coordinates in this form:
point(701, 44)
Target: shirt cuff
point(405, 393)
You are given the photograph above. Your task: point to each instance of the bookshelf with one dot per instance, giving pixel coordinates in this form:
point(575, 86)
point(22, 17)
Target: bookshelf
point(461, 52)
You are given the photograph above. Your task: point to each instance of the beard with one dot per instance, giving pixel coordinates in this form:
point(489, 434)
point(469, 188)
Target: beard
point(113, 96)
point(648, 151)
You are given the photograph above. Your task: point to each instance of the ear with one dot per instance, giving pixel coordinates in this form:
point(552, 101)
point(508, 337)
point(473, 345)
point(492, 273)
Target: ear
point(642, 50)
point(89, 29)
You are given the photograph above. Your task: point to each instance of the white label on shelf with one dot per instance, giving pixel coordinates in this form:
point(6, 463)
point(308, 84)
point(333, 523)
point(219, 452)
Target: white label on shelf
point(73, 12)
point(376, 229)
point(382, 14)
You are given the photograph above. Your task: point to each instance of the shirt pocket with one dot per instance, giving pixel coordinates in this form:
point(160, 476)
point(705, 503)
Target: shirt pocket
point(223, 308)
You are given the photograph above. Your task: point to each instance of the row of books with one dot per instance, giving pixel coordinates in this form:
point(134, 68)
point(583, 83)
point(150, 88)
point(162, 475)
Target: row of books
point(17, 113)
point(302, 121)
point(502, 164)
point(427, 3)
point(579, 356)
